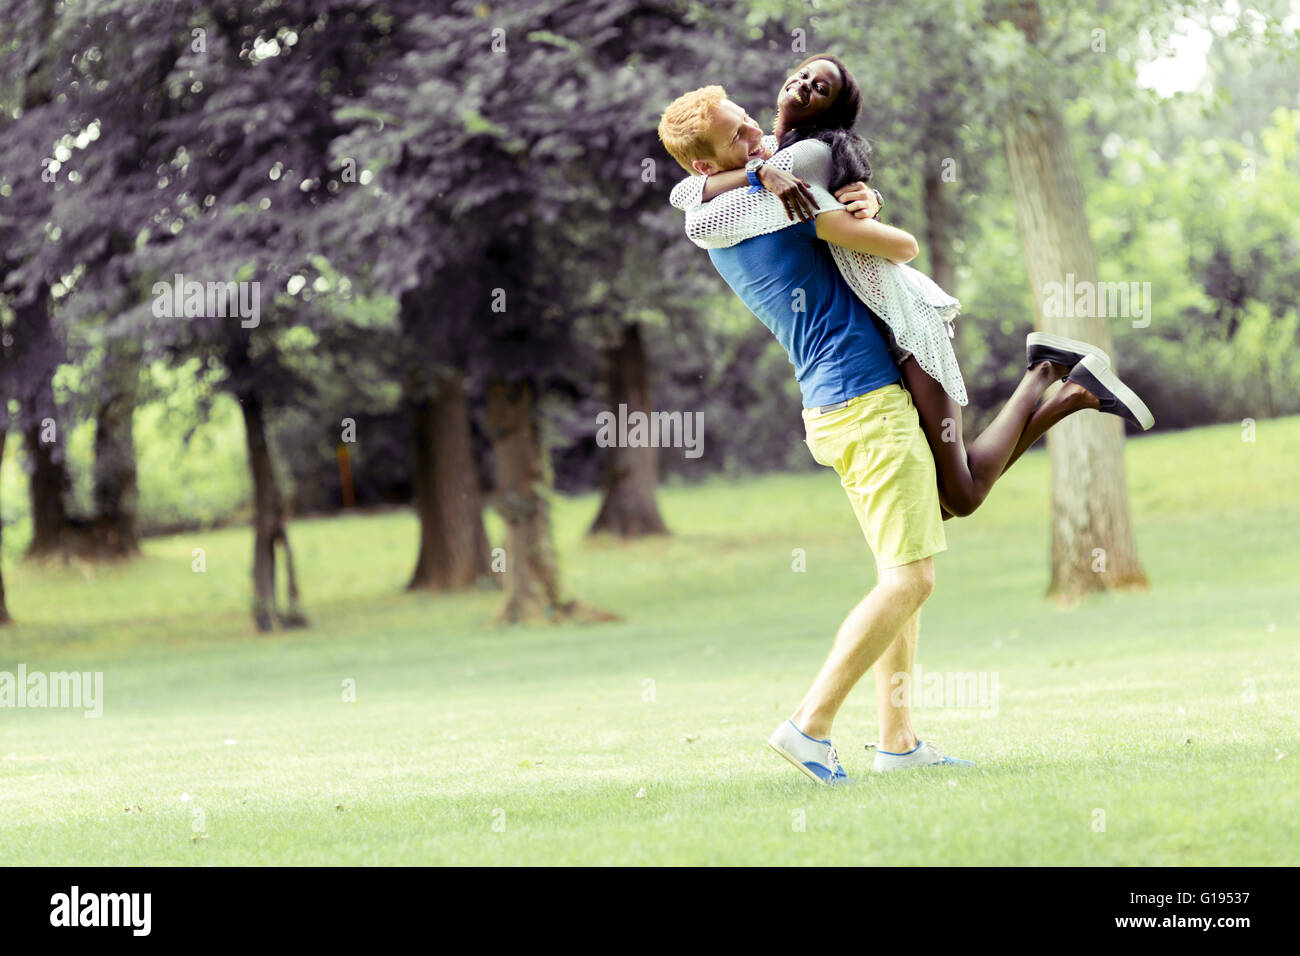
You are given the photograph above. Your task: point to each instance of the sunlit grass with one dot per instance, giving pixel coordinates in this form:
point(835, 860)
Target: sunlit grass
point(1169, 714)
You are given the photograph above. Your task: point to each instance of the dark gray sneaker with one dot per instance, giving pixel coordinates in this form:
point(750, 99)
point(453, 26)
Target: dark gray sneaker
point(1045, 347)
point(1116, 397)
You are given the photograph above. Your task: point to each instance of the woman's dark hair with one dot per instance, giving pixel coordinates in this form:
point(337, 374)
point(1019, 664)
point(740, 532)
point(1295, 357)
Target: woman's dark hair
point(834, 127)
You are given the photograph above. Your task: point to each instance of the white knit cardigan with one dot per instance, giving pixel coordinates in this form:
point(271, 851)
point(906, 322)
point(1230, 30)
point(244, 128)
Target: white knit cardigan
point(917, 311)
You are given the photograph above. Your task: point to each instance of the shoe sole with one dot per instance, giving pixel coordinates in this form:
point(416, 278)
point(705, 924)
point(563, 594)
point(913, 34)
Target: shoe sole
point(1065, 344)
point(1123, 394)
point(923, 766)
point(799, 765)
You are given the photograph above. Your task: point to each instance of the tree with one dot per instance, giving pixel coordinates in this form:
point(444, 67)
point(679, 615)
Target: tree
point(253, 136)
point(627, 506)
point(212, 120)
point(268, 503)
point(447, 146)
point(453, 542)
point(1093, 546)
point(30, 65)
point(4, 430)
point(389, 230)
point(116, 493)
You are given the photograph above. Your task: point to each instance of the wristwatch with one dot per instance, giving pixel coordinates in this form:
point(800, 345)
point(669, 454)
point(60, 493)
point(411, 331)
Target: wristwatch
point(751, 173)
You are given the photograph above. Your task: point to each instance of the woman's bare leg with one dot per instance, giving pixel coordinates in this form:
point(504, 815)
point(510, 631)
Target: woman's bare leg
point(1071, 397)
point(966, 474)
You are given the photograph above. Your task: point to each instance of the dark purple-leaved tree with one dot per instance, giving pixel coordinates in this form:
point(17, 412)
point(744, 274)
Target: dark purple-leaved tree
point(208, 161)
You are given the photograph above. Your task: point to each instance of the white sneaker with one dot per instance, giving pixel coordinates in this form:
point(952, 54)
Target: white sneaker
point(816, 758)
point(922, 755)
point(1115, 397)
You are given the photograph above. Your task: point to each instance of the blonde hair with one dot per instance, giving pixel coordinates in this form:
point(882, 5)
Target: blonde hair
point(685, 125)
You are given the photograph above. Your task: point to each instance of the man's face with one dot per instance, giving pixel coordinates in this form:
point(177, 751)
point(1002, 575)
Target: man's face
point(736, 139)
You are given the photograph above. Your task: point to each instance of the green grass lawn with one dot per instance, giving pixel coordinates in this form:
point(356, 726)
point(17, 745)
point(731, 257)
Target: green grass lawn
point(1170, 712)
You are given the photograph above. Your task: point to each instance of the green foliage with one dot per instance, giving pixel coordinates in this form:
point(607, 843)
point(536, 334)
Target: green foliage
point(199, 483)
point(538, 171)
point(190, 461)
point(1218, 247)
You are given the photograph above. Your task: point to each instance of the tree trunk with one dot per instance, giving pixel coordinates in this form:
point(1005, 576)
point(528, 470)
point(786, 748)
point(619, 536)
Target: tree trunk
point(453, 543)
point(4, 608)
point(47, 486)
point(939, 232)
point(48, 483)
point(115, 492)
point(268, 524)
point(1093, 547)
point(628, 507)
point(6, 379)
point(938, 226)
point(532, 579)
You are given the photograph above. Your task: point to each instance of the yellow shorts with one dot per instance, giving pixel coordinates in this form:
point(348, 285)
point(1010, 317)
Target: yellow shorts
point(876, 446)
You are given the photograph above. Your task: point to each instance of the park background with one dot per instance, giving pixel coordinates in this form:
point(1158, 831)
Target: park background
point(478, 636)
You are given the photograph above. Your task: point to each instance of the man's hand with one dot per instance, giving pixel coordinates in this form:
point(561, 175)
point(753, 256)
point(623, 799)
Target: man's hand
point(862, 201)
point(795, 194)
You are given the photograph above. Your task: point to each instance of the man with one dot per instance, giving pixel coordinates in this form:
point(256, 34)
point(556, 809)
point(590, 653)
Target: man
point(858, 418)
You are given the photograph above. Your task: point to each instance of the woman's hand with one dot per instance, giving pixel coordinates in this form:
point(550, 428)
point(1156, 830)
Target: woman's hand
point(862, 201)
point(795, 194)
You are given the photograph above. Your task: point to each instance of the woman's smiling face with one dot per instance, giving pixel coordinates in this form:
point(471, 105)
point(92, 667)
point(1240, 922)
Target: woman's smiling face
point(809, 91)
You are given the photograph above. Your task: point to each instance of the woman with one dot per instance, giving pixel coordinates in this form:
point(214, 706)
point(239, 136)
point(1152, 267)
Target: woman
point(817, 107)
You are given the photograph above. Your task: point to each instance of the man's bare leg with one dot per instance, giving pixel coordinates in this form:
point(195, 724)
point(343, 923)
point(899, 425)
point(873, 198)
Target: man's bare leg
point(893, 697)
point(866, 633)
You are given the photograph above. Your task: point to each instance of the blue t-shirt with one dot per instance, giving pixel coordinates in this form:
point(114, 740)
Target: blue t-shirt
point(790, 282)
